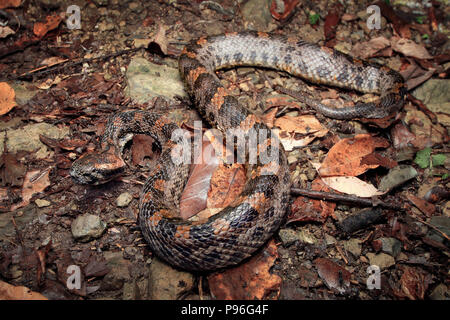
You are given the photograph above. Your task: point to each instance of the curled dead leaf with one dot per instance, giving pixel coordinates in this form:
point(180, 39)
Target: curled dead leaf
point(250, 280)
point(7, 98)
point(345, 157)
point(10, 292)
point(40, 29)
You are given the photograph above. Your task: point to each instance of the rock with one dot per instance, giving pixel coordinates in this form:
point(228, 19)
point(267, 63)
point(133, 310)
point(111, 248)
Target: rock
point(397, 176)
point(42, 203)
point(119, 273)
point(353, 246)
point(167, 283)
point(23, 94)
point(442, 223)
point(382, 260)
point(391, 246)
point(435, 93)
point(87, 227)
point(124, 199)
point(441, 292)
point(256, 15)
point(147, 80)
point(288, 236)
point(27, 138)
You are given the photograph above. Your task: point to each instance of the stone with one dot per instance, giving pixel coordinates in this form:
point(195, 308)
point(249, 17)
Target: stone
point(442, 223)
point(256, 15)
point(353, 246)
point(87, 227)
point(441, 292)
point(119, 271)
point(42, 203)
point(167, 283)
point(27, 138)
point(124, 199)
point(288, 236)
point(397, 176)
point(391, 246)
point(147, 80)
point(382, 260)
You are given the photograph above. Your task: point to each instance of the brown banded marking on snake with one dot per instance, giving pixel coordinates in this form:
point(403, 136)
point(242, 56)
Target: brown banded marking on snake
point(237, 231)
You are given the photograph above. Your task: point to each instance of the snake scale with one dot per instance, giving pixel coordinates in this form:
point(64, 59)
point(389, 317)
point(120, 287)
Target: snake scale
point(237, 231)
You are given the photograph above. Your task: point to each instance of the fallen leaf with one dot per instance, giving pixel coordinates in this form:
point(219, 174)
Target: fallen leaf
point(413, 283)
point(401, 136)
point(332, 20)
point(34, 182)
point(10, 292)
point(52, 61)
point(250, 280)
point(9, 3)
point(160, 39)
point(370, 48)
point(333, 275)
point(195, 194)
point(286, 10)
point(344, 158)
point(427, 208)
point(352, 185)
point(409, 48)
point(7, 98)
point(5, 31)
point(227, 183)
point(40, 29)
point(298, 131)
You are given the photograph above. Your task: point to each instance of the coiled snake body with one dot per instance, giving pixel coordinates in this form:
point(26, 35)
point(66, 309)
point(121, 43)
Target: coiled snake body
point(237, 231)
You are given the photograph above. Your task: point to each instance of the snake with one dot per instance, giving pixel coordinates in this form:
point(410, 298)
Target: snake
point(237, 231)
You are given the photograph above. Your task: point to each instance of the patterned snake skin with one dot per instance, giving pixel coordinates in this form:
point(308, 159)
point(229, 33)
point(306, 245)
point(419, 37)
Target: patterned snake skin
point(236, 232)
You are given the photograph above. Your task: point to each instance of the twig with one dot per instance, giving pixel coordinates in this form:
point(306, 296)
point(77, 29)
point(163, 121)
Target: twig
point(328, 196)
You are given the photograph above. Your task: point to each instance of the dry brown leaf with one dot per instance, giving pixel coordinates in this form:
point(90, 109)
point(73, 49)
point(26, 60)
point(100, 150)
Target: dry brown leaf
point(409, 48)
point(41, 28)
point(7, 98)
point(227, 183)
point(10, 292)
point(344, 158)
point(5, 31)
point(34, 182)
point(9, 3)
point(195, 194)
point(298, 131)
point(250, 280)
point(368, 49)
point(414, 283)
point(141, 148)
point(52, 61)
point(161, 39)
point(334, 276)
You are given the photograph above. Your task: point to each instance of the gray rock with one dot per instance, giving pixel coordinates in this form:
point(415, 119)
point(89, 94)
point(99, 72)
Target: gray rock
point(288, 236)
point(441, 292)
point(87, 227)
point(119, 273)
point(167, 283)
point(353, 246)
point(27, 138)
point(124, 199)
point(23, 94)
point(443, 224)
point(391, 246)
point(382, 260)
point(256, 14)
point(397, 176)
point(435, 93)
point(147, 80)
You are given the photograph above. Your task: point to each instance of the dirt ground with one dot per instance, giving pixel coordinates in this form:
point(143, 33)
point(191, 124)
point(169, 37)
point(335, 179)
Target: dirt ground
point(67, 81)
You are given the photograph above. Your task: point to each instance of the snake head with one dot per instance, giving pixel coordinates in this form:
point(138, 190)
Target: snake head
point(97, 168)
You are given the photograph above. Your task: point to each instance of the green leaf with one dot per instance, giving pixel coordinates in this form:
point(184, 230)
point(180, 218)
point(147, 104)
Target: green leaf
point(438, 159)
point(313, 18)
point(420, 19)
point(425, 36)
point(444, 176)
point(423, 158)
